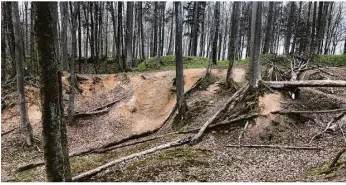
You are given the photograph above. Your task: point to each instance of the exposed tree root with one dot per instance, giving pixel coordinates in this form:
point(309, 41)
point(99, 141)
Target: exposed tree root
point(277, 147)
point(145, 152)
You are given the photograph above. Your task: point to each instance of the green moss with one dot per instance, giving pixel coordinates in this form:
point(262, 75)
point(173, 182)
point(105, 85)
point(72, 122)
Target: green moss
point(187, 155)
point(206, 81)
point(319, 171)
point(25, 176)
point(330, 176)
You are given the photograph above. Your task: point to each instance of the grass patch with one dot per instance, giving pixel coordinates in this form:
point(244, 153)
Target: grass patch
point(329, 60)
point(168, 63)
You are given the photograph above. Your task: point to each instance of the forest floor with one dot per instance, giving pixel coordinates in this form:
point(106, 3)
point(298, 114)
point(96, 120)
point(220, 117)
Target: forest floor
point(146, 99)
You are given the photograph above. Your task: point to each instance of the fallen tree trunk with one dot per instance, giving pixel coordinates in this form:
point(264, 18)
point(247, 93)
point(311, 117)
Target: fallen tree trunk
point(116, 146)
point(236, 95)
point(277, 147)
point(309, 112)
point(145, 152)
point(306, 83)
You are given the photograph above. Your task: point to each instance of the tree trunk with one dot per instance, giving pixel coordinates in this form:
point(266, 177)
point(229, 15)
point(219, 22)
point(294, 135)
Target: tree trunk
point(64, 17)
point(129, 35)
point(255, 68)
point(179, 56)
point(201, 51)
point(170, 48)
point(194, 33)
point(233, 41)
point(57, 166)
point(306, 83)
point(154, 53)
point(10, 37)
point(71, 111)
point(32, 41)
point(19, 58)
point(79, 38)
point(140, 22)
point(119, 39)
point(319, 28)
point(268, 35)
point(288, 35)
point(313, 30)
point(3, 41)
point(216, 33)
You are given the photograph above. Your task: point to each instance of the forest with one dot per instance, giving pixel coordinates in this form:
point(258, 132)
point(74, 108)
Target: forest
point(173, 91)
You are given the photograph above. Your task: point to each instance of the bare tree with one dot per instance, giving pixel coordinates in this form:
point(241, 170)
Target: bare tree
point(268, 34)
point(19, 58)
point(256, 21)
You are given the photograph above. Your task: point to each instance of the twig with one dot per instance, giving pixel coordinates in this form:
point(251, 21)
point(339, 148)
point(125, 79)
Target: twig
point(242, 132)
point(309, 112)
point(278, 147)
point(7, 132)
point(336, 159)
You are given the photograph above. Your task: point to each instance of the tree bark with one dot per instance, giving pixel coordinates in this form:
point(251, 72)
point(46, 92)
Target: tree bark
point(79, 38)
point(119, 35)
point(19, 58)
point(10, 37)
point(64, 17)
point(268, 34)
point(71, 110)
point(3, 41)
point(216, 33)
point(233, 41)
point(129, 35)
point(141, 29)
point(255, 70)
point(179, 57)
point(288, 34)
point(32, 41)
point(50, 99)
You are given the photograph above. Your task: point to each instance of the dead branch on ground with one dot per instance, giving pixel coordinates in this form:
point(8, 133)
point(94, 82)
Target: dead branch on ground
point(277, 147)
point(308, 112)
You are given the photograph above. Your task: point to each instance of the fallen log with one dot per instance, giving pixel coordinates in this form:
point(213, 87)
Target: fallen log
point(308, 112)
point(338, 125)
point(145, 152)
point(237, 95)
point(277, 147)
point(116, 146)
point(306, 83)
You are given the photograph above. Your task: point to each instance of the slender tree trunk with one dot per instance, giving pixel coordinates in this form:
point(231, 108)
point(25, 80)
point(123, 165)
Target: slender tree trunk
point(179, 57)
point(57, 165)
point(288, 35)
point(255, 72)
point(313, 29)
point(194, 33)
point(32, 41)
point(232, 41)
point(268, 35)
point(216, 34)
point(19, 58)
point(129, 35)
point(319, 28)
point(140, 22)
point(3, 42)
point(155, 29)
point(345, 46)
point(71, 111)
point(106, 35)
point(79, 37)
point(201, 52)
point(170, 48)
point(64, 15)
point(326, 47)
point(10, 37)
point(119, 37)
point(86, 16)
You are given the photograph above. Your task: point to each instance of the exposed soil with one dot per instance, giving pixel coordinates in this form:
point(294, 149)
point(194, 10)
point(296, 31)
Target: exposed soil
point(148, 99)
